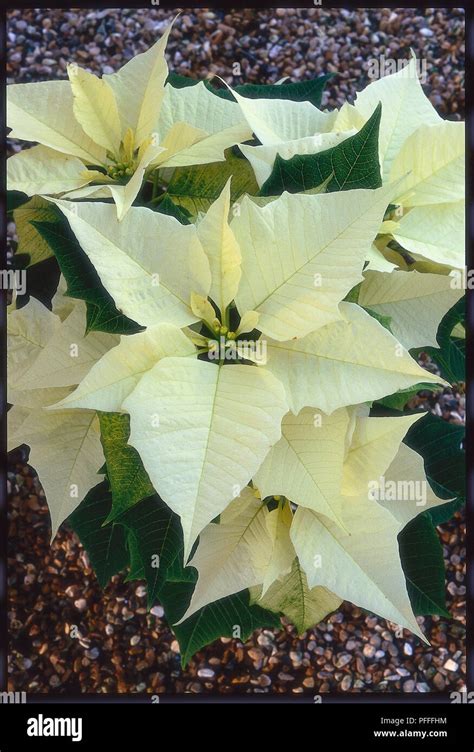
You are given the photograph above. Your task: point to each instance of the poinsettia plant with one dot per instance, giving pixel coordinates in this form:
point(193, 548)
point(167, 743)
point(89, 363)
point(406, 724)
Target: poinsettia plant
point(213, 383)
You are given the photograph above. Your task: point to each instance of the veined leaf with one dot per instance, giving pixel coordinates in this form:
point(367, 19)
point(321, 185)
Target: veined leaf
point(292, 597)
point(422, 560)
point(414, 302)
point(358, 357)
point(301, 254)
point(202, 430)
point(105, 546)
point(160, 260)
point(306, 465)
point(157, 537)
point(129, 482)
point(353, 163)
point(83, 282)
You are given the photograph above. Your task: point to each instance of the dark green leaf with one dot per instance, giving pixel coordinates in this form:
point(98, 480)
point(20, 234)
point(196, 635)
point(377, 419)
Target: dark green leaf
point(354, 164)
point(451, 354)
point(83, 281)
point(440, 445)
point(128, 478)
point(157, 536)
point(422, 560)
point(398, 400)
point(444, 512)
point(15, 199)
point(167, 206)
point(301, 91)
point(229, 617)
point(106, 546)
point(136, 568)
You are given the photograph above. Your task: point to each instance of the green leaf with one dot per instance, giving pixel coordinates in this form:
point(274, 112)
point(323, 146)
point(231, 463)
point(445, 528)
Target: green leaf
point(443, 513)
point(422, 560)
point(451, 354)
point(354, 162)
point(83, 281)
point(167, 206)
point(301, 91)
point(15, 199)
point(157, 538)
point(398, 400)
point(440, 445)
point(180, 82)
point(136, 568)
point(128, 478)
point(196, 188)
point(37, 209)
point(106, 546)
point(229, 617)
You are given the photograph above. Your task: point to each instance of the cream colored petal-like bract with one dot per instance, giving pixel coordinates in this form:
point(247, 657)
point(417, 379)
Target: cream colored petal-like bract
point(95, 108)
point(148, 262)
point(262, 157)
point(43, 112)
point(432, 159)
point(29, 329)
point(66, 452)
point(209, 149)
point(361, 566)
point(62, 304)
point(199, 108)
point(68, 355)
point(282, 553)
point(435, 232)
point(117, 373)
point(405, 107)
point(291, 596)
point(415, 303)
point(222, 250)
point(202, 430)
point(306, 464)
point(301, 254)
point(406, 490)
point(181, 136)
point(375, 442)
point(25, 402)
point(277, 120)
point(233, 555)
point(44, 170)
point(139, 88)
point(344, 363)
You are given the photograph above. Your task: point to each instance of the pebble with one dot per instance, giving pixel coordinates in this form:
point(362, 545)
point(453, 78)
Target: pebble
point(451, 665)
point(140, 592)
point(422, 687)
point(158, 611)
point(346, 683)
point(343, 660)
point(369, 651)
point(409, 685)
point(407, 649)
point(81, 604)
point(206, 673)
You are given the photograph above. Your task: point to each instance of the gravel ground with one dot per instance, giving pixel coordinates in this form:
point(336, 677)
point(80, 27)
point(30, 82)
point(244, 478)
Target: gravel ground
point(121, 648)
